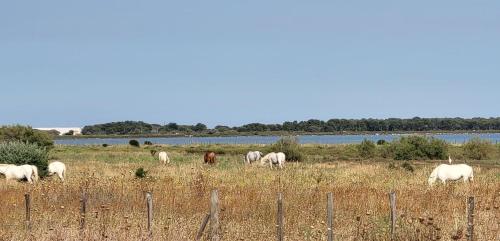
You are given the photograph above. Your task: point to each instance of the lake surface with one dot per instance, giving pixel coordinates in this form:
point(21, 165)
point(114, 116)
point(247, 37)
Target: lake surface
point(305, 139)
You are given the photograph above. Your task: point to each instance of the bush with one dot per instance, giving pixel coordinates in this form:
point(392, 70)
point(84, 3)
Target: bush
point(290, 146)
point(69, 133)
point(26, 134)
point(408, 166)
point(105, 145)
point(419, 148)
point(134, 143)
point(140, 172)
point(381, 142)
point(20, 153)
point(366, 149)
point(478, 149)
point(148, 143)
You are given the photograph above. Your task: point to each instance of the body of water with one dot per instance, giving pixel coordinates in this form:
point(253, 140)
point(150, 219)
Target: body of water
point(305, 139)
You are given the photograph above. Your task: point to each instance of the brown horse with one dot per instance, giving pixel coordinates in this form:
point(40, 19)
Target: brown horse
point(209, 157)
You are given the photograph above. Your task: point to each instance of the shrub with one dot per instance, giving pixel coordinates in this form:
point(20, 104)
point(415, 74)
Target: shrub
point(290, 146)
point(386, 151)
point(366, 149)
point(419, 148)
point(69, 133)
point(478, 149)
point(134, 143)
point(148, 143)
point(25, 134)
point(140, 172)
point(408, 166)
point(105, 145)
point(20, 153)
point(381, 142)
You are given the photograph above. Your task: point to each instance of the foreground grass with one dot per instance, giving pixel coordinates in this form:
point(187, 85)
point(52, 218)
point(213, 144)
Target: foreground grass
point(181, 191)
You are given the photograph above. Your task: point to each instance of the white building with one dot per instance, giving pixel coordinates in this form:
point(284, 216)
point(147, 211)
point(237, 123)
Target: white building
point(63, 130)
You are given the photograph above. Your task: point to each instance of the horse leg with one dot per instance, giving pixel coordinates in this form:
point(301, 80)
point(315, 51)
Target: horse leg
point(60, 176)
point(29, 179)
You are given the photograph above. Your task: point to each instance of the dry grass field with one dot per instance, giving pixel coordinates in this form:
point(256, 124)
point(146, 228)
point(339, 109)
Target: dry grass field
point(117, 210)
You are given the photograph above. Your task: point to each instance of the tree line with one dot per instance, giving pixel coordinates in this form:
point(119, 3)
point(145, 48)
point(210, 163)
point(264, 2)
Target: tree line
point(309, 126)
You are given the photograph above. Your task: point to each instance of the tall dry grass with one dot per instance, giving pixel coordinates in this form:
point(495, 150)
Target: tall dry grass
point(117, 209)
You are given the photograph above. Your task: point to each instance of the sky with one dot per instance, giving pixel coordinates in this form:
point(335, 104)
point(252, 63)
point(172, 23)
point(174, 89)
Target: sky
point(75, 63)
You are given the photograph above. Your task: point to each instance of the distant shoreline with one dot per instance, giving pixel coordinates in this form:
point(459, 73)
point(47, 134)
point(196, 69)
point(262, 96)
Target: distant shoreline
point(273, 133)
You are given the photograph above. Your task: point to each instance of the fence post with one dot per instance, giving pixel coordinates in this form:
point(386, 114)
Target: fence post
point(470, 218)
point(202, 227)
point(149, 206)
point(27, 200)
point(392, 199)
point(279, 219)
point(329, 212)
point(214, 216)
point(83, 210)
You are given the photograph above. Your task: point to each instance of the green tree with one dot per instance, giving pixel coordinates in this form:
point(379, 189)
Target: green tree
point(199, 127)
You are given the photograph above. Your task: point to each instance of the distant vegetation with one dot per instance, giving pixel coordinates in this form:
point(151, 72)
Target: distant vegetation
point(310, 126)
point(26, 134)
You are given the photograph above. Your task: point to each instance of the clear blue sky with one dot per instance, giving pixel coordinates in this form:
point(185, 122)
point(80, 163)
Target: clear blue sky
point(72, 63)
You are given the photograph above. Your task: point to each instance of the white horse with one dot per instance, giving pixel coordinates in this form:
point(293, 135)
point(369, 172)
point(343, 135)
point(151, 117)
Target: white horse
point(253, 156)
point(451, 172)
point(163, 157)
point(10, 171)
point(58, 168)
point(274, 159)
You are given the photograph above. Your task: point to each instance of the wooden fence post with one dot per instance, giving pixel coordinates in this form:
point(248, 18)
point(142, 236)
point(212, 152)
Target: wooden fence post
point(470, 218)
point(279, 218)
point(27, 200)
point(83, 210)
point(149, 206)
point(329, 212)
point(392, 199)
point(214, 216)
point(202, 227)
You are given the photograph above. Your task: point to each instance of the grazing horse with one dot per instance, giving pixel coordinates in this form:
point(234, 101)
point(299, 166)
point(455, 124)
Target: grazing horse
point(253, 156)
point(274, 159)
point(162, 156)
point(209, 157)
point(58, 168)
point(10, 171)
point(445, 172)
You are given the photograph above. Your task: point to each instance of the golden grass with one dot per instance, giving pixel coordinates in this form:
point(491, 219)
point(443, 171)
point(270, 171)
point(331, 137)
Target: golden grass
point(117, 210)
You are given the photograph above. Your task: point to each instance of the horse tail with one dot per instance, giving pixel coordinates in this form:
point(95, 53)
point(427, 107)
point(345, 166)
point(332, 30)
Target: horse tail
point(35, 173)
